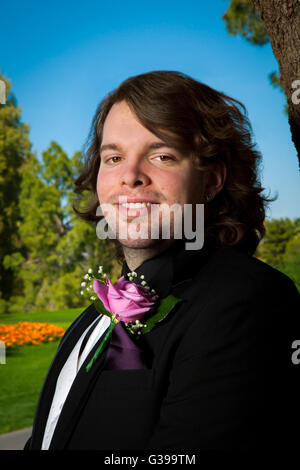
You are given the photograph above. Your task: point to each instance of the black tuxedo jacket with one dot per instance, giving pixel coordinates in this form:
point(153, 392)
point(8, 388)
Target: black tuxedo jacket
point(220, 375)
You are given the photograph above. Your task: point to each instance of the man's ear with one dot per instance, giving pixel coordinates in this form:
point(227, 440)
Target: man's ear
point(216, 178)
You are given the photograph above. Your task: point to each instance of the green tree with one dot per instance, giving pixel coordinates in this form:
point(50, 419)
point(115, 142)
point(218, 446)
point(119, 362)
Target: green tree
point(262, 21)
point(291, 260)
point(278, 233)
point(280, 247)
point(60, 247)
point(242, 19)
point(15, 150)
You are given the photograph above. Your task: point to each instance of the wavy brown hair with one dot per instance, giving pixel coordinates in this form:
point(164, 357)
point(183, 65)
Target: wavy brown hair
point(211, 127)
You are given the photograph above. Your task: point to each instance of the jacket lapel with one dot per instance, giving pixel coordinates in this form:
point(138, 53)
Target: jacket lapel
point(76, 400)
point(68, 342)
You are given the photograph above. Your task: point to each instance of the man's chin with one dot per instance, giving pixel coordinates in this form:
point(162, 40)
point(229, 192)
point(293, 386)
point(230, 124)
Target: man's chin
point(139, 243)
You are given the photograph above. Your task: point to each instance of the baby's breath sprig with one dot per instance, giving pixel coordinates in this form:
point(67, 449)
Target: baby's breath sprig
point(144, 283)
point(135, 328)
point(132, 275)
point(87, 285)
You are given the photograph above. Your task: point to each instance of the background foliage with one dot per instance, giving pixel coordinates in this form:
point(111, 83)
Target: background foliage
point(45, 247)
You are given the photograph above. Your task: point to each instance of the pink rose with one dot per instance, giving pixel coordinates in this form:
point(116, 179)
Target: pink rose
point(127, 300)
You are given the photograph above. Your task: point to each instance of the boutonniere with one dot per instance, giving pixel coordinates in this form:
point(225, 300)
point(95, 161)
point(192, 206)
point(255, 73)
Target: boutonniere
point(136, 305)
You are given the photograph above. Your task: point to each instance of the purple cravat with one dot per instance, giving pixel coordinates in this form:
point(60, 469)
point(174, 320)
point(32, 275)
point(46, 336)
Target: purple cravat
point(122, 352)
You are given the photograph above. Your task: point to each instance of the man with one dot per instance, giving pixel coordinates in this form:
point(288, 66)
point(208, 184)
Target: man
point(217, 371)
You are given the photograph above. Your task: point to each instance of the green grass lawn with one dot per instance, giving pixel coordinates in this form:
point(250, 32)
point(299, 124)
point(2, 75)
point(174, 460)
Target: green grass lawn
point(21, 378)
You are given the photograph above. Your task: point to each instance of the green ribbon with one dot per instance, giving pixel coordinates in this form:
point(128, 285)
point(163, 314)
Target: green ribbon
point(164, 308)
point(101, 347)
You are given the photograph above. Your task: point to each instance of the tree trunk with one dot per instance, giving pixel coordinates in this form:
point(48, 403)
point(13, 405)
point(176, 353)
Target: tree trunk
point(281, 19)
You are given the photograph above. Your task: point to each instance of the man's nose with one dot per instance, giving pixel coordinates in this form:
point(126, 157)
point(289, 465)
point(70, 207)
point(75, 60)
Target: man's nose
point(135, 174)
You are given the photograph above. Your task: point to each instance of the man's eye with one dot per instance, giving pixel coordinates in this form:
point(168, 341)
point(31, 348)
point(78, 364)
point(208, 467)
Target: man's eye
point(165, 158)
point(112, 158)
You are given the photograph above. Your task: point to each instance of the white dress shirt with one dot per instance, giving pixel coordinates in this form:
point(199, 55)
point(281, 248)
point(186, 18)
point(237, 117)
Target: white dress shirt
point(68, 374)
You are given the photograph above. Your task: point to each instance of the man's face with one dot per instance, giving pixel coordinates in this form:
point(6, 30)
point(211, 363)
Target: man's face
point(137, 166)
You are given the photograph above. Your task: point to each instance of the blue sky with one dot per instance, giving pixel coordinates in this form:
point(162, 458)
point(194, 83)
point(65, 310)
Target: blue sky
point(63, 57)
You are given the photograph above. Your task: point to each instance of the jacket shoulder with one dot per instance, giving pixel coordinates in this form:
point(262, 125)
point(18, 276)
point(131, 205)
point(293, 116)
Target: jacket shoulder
point(236, 269)
point(243, 298)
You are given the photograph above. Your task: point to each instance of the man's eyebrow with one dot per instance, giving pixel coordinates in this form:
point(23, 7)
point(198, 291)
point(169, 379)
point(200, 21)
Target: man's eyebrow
point(153, 146)
point(109, 147)
point(158, 145)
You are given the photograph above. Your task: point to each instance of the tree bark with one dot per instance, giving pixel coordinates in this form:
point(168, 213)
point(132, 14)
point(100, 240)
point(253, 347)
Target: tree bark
point(281, 19)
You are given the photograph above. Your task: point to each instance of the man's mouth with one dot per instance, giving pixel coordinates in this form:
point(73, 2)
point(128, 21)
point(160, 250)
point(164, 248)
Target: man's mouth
point(135, 205)
point(136, 209)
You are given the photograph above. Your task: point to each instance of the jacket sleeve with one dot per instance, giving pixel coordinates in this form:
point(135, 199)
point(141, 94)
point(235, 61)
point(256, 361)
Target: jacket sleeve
point(239, 390)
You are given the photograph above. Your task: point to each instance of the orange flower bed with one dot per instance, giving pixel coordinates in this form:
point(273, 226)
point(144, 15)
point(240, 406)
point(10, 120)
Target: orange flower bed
point(26, 332)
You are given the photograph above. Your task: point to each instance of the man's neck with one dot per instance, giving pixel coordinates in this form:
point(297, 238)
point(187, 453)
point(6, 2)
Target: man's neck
point(136, 256)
